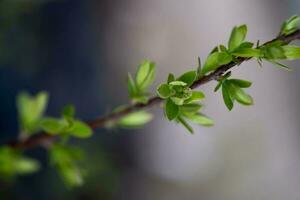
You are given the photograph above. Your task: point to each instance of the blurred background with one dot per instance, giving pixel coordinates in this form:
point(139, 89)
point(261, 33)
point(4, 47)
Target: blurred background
point(81, 50)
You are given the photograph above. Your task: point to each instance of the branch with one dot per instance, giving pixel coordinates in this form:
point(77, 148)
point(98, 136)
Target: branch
point(43, 138)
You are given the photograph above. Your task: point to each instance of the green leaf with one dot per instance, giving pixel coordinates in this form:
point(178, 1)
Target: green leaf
point(240, 83)
point(135, 93)
point(53, 125)
point(65, 159)
point(177, 83)
point(215, 49)
point(141, 99)
point(290, 25)
point(239, 94)
point(199, 68)
point(291, 52)
point(248, 52)
point(226, 96)
point(135, 119)
point(171, 78)
point(145, 75)
point(13, 163)
point(177, 100)
point(218, 86)
point(220, 82)
point(132, 88)
point(68, 111)
point(164, 91)
point(237, 37)
point(200, 119)
point(31, 109)
point(80, 129)
point(190, 108)
point(215, 60)
point(171, 109)
point(223, 48)
point(25, 165)
point(65, 154)
point(273, 51)
point(196, 96)
point(188, 77)
point(72, 175)
point(246, 45)
point(185, 124)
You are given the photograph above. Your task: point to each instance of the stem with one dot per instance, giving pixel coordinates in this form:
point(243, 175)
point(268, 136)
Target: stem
point(42, 138)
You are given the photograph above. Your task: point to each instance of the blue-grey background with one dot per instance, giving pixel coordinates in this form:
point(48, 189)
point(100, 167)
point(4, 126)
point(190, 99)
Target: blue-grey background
point(80, 52)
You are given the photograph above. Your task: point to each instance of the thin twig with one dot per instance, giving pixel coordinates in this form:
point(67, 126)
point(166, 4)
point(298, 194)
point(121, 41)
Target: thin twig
point(40, 139)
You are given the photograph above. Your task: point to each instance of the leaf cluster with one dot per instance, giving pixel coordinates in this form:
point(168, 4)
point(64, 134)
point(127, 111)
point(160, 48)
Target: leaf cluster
point(138, 86)
point(181, 103)
point(67, 125)
point(66, 159)
point(14, 163)
point(233, 89)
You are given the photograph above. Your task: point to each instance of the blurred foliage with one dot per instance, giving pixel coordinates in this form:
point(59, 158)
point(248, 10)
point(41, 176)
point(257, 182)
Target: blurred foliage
point(31, 110)
point(13, 163)
point(65, 159)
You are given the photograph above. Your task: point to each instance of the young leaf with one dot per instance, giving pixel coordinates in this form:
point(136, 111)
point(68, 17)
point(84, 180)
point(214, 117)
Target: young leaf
point(72, 175)
point(273, 51)
point(171, 109)
point(177, 83)
point(237, 36)
point(65, 159)
point(291, 52)
point(200, 119)
point(171, 78)
point(246, 45)
point(135, 119)
point(226, 96)
point(215, 49)
point(164, 91)
point(239, 94)
point(290, 25)
point(80, 129)
point(13, 163)
point(185, 124)
point(215, 60)
point(68, 111)
point(240, 83)
point(188, 77)
point(223, 78)
point(178, 101)
point(196, 96)
point(31, 109)
point(190, 108)
point(222, 48)
point(141, 99)
point(199, 68)
point(145, 75)
point(25, 165)
point(132, 88)
point(248, 52)
point(53, 126)
point(218, 86)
